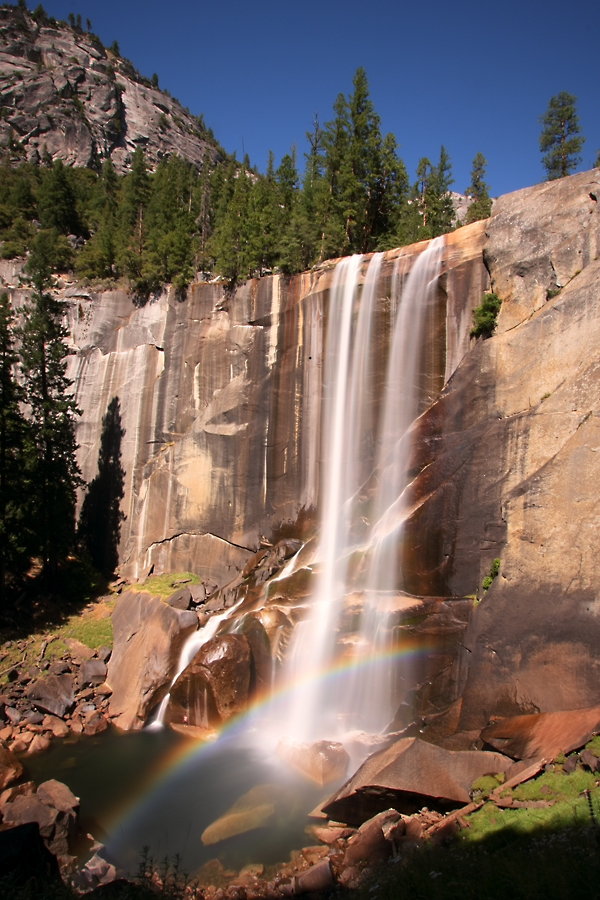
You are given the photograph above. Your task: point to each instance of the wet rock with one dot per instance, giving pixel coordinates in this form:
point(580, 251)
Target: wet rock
point(318, 878)
point(322, 761)
point(53, 694)
point(180, 599)
point(312, 855)
point(543, 734)
point(57, 726)
point(56, 794)
point(29, 808)
point(148, 639)
point(215, 685)
point(39, 743)
point(254, 809)
point(93, 671)
point(408, 775)
point(370, 846)
point(95, 723)
point(10, 767)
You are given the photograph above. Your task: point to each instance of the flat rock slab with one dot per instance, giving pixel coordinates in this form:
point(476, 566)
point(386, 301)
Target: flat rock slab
point(148, 639)
point(53, 694)
point(543, 734)
point(408, 775)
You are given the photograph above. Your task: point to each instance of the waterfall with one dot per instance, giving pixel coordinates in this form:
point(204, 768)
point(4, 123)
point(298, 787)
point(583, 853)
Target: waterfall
point(355, 421)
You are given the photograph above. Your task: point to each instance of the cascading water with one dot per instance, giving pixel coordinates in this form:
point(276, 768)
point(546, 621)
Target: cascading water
point(325, 707)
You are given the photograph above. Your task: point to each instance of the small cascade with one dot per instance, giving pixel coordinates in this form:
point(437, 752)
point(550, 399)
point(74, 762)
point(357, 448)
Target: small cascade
point(350, 687)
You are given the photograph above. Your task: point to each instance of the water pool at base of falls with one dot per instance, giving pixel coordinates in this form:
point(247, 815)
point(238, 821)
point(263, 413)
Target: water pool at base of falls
point(162, 790)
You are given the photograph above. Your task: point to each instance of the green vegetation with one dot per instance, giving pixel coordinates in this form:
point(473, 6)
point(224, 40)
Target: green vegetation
point(494, 569)
point(485, 315)
point(560, 138)
point(226, 218)
point(547, 852)
point(164, 585)
point(481, 206)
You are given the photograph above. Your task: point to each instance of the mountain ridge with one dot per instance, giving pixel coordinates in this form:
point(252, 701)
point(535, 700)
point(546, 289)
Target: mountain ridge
point(66, 96)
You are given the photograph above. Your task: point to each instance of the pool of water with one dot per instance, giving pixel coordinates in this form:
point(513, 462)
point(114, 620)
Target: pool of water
point(161, 790)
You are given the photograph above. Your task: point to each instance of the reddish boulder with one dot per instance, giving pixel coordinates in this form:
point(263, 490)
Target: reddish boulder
point(410, 774)
point(543, 734)
point(215, 685)
point(53, 694)
point(10, 767)
point(148, 639)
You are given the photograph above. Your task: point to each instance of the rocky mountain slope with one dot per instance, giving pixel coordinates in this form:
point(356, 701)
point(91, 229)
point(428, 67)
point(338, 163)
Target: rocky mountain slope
point(63, 93)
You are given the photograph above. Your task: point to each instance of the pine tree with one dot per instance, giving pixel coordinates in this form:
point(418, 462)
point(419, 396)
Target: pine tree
point(560, 139)
point(57, 201)
point(52, 407)
point(441, 208)
point(15, 493)
point(481, 204)
point(597, 162)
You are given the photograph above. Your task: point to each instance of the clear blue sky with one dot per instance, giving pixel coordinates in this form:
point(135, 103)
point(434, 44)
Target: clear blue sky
point(471, 75)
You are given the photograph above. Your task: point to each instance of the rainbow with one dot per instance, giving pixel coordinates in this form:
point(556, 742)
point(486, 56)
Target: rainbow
point(191, 751)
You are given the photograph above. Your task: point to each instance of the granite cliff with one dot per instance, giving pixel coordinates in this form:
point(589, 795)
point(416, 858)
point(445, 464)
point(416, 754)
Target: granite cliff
point(63, 93)
point(220, 405)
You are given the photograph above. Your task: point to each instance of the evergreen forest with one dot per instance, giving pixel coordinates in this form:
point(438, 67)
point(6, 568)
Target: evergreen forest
point(151, 228)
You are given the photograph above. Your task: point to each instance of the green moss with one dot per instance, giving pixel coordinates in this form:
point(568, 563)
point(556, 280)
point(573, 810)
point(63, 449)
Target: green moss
point(594, 745)
point(163, 584)
point(486, 783)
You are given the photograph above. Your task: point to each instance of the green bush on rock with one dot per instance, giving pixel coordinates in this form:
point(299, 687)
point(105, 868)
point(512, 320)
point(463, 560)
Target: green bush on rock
point(494, 569)
point(485, 315)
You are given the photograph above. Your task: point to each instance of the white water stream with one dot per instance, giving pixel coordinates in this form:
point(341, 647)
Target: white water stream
point(344, 688)
point(334, 688)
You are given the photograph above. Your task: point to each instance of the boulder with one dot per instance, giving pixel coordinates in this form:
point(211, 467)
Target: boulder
point(215, 685)
point(56, 794)
point(369, 846)
point(30, 808)
point(94, 723)
point(40, 742)
point(321, 761)
point(79, 650)
point(10, 767)
point(53, 694)
point(148, 640)
point(180, 599)
point(318, 878)
point(93, 671)
point(55, 725)
point(408, 775)
point(543, 734)
point(254, 809)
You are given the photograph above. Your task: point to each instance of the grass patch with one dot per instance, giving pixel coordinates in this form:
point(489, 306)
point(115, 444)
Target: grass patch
point(163, 584)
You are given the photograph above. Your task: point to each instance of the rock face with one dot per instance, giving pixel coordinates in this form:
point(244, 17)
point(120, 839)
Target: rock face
point(406, 776)
point(148, 639)
point(215, 685)
point(506, 457)
point(543, 735)
point(64, 93)
point(220, 400)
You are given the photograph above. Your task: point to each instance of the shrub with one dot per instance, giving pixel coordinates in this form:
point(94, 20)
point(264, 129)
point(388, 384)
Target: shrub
point(494, 568)
point(485, 315)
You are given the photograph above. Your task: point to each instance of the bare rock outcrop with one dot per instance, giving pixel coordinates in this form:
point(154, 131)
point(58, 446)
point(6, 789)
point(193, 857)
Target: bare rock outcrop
point(148, 639)
point(63, 93)
point(506, 457)
point(408, 775)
